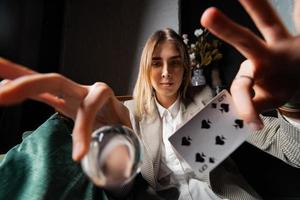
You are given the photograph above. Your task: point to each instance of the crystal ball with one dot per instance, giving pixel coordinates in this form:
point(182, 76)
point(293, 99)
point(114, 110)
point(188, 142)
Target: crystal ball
point(114, 156)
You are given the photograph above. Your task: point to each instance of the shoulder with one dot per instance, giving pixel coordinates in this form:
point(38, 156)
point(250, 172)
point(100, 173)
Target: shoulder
point(201, 94)
point(130, 104)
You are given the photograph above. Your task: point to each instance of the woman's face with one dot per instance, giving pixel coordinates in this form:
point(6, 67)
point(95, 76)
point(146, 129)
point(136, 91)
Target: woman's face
point(166, 73)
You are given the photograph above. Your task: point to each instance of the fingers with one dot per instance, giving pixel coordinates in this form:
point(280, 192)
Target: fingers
point(10, 70)
point(27, 87)
point(241, 91)
point(36, 86)
point(52, 100)
point(98, 95)
point(23, 88)
point(266, 19)
point(241, 38)
point(266, 99)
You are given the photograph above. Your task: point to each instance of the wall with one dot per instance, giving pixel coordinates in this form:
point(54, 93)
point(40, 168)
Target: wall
point(30, 34)
point(285, 10)
point(103, 39)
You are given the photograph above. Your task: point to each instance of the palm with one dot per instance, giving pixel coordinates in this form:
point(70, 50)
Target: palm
point(269, 60)
point(272, 87)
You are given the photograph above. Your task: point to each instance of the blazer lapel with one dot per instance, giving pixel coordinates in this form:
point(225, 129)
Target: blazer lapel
point(151, 134)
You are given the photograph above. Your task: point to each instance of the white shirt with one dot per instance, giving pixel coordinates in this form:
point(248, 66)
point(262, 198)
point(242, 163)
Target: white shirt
point(183, 176)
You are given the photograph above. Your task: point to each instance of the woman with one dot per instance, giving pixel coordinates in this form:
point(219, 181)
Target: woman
point(162, 101)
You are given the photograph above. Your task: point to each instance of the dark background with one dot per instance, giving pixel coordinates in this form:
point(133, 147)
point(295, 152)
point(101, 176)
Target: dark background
point(31, 33)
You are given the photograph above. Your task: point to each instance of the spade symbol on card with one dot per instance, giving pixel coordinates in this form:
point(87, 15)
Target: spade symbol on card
point(220, 140)
point(186, 141)
point(214, 105)
point(212, 160)
point(238, 123)
point(224, 107)
point(200, 157)
point(205, 124)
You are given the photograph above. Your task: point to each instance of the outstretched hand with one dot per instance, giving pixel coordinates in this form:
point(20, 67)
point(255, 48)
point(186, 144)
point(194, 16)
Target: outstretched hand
point(89, 106)
point(271, 67)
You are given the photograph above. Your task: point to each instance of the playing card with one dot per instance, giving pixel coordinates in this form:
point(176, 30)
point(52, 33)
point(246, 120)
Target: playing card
point(211, 135)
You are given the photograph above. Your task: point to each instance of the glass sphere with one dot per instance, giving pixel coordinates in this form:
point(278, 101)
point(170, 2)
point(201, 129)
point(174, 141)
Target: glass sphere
point(114, 156)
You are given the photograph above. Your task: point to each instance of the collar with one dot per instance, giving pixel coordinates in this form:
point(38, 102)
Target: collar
point(173, 109)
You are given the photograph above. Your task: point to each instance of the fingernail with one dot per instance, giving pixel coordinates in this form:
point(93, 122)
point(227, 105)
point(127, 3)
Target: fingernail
point(256, 126)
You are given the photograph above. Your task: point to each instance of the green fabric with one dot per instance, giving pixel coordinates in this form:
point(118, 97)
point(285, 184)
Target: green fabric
point(41, 167)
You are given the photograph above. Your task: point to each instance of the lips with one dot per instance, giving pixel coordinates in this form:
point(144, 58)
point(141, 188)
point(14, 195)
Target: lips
point(166, 84)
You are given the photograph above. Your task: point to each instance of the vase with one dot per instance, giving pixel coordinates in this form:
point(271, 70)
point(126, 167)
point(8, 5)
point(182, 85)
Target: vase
point(198, 78)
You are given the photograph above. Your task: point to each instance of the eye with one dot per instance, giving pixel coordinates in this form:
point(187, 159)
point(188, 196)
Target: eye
point(156, 63)
point(176, 63)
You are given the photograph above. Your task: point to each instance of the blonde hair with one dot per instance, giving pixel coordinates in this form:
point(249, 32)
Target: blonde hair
point(143, 91)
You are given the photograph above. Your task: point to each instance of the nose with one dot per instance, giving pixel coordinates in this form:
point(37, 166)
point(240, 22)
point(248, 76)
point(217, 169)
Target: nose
point(165, 72)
